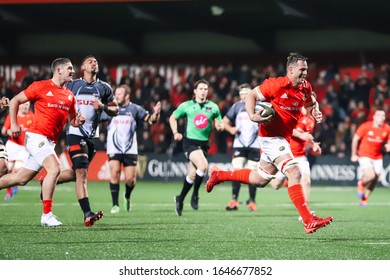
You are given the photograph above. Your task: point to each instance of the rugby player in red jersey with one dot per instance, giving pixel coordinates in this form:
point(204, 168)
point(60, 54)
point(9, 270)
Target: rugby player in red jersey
point(288, 95)
point(53, 105)
point(367, 143)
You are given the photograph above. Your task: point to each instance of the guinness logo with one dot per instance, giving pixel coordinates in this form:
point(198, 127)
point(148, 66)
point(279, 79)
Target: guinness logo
point(40, 145)
point(141, 166)
point(281, 148)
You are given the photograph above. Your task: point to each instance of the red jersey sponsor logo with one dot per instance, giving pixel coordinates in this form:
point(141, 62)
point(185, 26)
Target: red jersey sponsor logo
point(59, 106)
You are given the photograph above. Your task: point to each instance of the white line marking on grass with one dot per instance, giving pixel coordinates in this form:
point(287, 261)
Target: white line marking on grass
point(38, 188)
point(378, 243)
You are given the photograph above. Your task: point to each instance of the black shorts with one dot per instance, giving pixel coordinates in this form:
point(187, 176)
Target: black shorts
point(248, 153)
point(80, 145)
point(126, 159)
point(190, 145)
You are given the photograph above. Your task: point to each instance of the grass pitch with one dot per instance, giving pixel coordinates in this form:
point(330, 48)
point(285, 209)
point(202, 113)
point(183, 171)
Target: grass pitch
point(152, 230)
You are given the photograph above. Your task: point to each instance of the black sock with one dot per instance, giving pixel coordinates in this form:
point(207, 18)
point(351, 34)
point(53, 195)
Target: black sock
point(198, 181)
point(252, 192)
point(129, 189)
point(186, 188)
point(114, 188)
point(84, 204)
point(235, 190)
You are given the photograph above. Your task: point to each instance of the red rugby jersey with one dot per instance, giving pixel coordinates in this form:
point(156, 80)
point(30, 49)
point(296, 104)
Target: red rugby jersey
point(52, 106)
point(372, 139)
point(287, 102)
point(25, 122)
point(298, 146)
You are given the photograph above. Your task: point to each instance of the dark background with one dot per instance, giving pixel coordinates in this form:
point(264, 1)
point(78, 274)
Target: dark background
point(353, 31)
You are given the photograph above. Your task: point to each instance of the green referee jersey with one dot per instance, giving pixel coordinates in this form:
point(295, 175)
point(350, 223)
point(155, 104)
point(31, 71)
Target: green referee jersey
point(199, 118)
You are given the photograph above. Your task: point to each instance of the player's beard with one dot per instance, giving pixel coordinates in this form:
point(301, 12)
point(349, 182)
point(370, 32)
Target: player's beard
point(95, 71)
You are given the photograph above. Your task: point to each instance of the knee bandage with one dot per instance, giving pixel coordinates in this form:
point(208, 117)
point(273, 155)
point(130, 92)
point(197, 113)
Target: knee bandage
point(286, 164)
point(265, 174)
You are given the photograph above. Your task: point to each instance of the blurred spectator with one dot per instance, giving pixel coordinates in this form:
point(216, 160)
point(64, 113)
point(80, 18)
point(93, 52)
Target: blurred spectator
point(138, 98)
point(360, 113)
point(381, 92)
point(327, 110)
point(244, 75)
point(320, 87)
point(193, 76)
point(161, 146)
point(362, 89)
point(160, 89)
point(157, 129)
point(179, 94)
point(145, 144)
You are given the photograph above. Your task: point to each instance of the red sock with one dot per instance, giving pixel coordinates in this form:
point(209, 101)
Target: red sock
point(9, 190)
point(239, 175)
point(47, 206)
point(298, 198)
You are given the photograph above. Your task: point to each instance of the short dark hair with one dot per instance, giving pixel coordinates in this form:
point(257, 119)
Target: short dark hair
point(294, 57)
point(58, 61)
point(85, 58)
point(201, 81)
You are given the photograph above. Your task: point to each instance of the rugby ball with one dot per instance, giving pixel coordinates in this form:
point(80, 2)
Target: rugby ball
point(265, 108)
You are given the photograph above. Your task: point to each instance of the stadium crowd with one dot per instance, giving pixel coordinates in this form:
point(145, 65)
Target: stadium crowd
point(346, 99)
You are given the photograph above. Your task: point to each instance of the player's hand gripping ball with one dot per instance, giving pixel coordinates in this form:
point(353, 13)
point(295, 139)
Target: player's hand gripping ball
point(266, 108)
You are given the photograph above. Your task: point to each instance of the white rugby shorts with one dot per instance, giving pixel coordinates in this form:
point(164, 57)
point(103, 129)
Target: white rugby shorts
point(39, 148)
point(274, 147)
point(376, 164)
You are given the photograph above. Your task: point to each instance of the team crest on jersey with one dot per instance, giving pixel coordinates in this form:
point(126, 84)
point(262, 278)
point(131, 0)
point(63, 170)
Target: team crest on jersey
point(281, 148)
point(40, 145)
point(82, 142)
point(384, 134)
point(70, 97)
point(209, 109)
